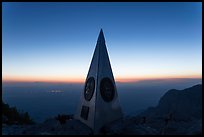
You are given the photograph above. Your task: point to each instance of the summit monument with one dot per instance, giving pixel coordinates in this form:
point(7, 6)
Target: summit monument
point(99, 104)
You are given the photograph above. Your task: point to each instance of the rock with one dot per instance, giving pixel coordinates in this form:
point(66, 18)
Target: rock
point(53, 127)
point(139, 130)
point(177, 112)
point(179, 104)
point(196, 128)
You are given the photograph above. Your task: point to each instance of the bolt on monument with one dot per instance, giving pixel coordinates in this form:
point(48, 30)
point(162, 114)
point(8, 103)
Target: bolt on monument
point(99, 103)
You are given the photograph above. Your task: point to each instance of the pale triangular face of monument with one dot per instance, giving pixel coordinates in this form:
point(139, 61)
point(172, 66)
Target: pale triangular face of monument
point(99, 103)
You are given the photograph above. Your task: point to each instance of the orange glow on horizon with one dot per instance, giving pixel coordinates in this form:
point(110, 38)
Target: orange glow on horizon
point(82, 80)
point(42, 79)
point(151, 77)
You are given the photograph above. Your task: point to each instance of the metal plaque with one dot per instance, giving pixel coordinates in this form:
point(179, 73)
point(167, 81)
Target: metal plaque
point(89, 88)
point(107, 89)
point(85, 112)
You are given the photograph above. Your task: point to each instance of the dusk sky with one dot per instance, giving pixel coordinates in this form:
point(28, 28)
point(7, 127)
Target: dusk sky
point(55, 41)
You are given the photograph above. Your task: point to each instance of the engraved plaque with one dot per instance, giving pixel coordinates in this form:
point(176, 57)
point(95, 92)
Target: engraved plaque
point(85, 112)
point(89, 88)
point(107, 89)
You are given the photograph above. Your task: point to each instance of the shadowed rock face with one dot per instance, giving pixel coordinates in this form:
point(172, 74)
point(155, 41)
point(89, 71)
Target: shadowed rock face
point(183, 104)
point(49, 127)
point(178, 112)
point(179, 104)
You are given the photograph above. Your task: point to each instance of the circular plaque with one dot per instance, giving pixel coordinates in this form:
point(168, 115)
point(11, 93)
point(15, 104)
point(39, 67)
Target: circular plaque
point(107, 89)
point(89, 88)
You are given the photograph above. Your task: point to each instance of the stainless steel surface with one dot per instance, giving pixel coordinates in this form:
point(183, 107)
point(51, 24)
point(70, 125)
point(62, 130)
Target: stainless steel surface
point(101, 112)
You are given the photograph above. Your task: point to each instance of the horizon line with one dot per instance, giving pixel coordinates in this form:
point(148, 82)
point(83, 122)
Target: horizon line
point(118, 80)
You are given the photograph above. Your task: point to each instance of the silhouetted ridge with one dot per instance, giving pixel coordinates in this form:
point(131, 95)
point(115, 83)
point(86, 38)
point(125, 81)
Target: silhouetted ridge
point(183, 104)
point(10, 116)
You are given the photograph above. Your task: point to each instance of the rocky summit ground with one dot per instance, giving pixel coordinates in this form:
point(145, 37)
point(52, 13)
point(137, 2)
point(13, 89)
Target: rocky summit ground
point(75, 127)
point(126, 126)
point(179, 112)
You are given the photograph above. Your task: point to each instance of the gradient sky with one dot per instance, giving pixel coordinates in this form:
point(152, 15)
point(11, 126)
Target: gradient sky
point(56, 41)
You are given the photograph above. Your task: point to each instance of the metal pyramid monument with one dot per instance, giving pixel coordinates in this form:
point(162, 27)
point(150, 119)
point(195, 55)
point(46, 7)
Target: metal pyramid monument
point(99, 104)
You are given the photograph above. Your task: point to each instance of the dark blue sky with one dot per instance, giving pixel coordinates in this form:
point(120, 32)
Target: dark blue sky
point(144, 40)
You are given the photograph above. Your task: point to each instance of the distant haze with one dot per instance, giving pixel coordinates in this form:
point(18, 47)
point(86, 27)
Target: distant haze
point(44, 100)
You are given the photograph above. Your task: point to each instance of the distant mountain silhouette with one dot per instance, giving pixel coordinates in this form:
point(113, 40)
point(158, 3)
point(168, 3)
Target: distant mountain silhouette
point(179, 104)
point(179, 112)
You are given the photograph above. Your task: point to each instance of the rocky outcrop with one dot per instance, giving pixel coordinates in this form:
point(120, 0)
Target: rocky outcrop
point(49, 127)
point(178, 112)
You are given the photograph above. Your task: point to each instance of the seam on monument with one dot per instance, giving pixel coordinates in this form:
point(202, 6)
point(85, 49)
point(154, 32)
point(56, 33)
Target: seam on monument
point(97, 82)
